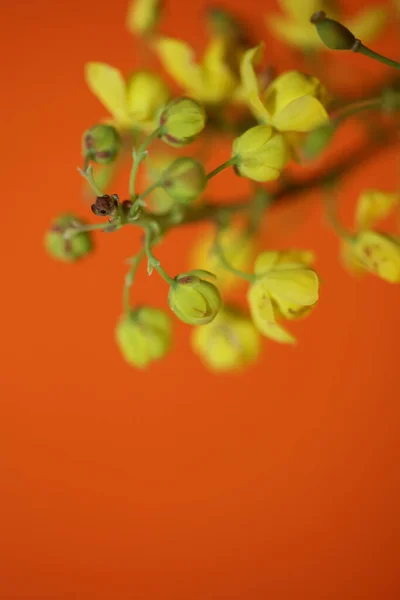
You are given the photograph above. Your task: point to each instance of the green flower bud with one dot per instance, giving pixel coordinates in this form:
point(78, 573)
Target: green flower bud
point(317, 140)
point(261, 153)
point(332, 33)
point(182, 120)
point(144, 335)
point(71, 249)
point(101, 144)
point(193, 299)
point(184, 180)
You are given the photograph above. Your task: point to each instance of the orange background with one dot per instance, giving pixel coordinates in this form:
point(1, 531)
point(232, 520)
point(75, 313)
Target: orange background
point(174, 483)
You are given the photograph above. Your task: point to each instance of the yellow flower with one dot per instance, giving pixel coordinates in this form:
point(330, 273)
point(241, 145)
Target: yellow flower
point(261, 153)
point(293, 102)
point(182, 120)
point(194, 298)
point(237, 247)
point(144, 335)
point(212, 81)
point(294, 27)
point(143, 16)
point(284, 286)
point(370, 251)
point(229, 343)
point(136, 102)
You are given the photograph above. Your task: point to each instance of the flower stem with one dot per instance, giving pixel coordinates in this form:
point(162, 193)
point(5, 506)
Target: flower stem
point(225, 165)
point(72, 231)
point(375, 56)
point(153, 262)
point(87, 173)
point(138, 158)
point(129, 278)
point(227, 265)
point(331, 212)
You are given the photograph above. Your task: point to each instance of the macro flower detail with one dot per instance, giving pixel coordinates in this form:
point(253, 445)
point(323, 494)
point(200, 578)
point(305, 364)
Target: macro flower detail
point(135, 102)
point(194, 298)
point(212, 81)
point(237, 247)
point(181, 121)
point(293, 102)
point(230, 343)
point(370, 251)
point(143, 16)
point(293, 26)
point(284, 287)
point(260, 153)
point(144, 335)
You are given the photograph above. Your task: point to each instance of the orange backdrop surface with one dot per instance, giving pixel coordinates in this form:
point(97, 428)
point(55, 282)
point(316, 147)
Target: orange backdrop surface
point(174, 483)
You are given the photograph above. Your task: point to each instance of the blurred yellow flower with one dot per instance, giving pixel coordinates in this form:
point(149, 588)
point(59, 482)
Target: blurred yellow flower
point(136, 102)
point(293, 102)
point(285, 287)
point(371, 251)
point(212, 81)
point(294, 27)
point(143, 16)
point(237, 247)
point(229, 343)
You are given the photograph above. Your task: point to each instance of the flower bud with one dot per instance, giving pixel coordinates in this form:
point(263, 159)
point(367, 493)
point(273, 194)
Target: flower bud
point(101, 144)
point(261, 153)
point(105, 205)
point(71, 249)
point(193, 299)
point(184, 180)
point(332, 33)
point(144, 335)
point(317, 140)
point(182, 120)
point(143, 16)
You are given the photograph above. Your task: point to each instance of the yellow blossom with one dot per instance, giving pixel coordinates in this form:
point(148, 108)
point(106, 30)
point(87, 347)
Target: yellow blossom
point(136, 102)
point(285, 287)
point(294, 27)
point(293, 102)
point(194, 298)
point(143, 16)
point(369, 251)
point(229, 343)
point(237, 247)
point(260, 153)
point(211, 81)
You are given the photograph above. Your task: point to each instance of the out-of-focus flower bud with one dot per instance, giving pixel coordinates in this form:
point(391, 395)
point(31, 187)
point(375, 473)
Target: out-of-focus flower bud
point(144, 335)
point(67, 249)
point(143, 16)
point(332, 33)
point(184, 180)
point(101, 144)
point(105, 205)
point(194, 299)
point(182, 120)
point(261, 153)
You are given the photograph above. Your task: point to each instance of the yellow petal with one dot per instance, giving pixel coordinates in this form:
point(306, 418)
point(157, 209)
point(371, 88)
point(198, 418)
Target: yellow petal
point(295, 286)
point(142, 15)
point(373, 206)
point(147, 93)
point(262, 313)
point(300, 10)
point(295, 33)
point(219, 79)
point(380, 254)
point(350, 260)
point(249, 82)
point(108, 85)
point(368, 23)
point(301, 115)
point(178, 59)
point(288, 87)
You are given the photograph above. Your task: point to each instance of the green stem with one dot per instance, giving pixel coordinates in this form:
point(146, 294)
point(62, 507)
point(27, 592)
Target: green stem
point(226, 264)
point(153, 262)
point(331, 212)
point(87, 173)
point(72, 231)
point(138, 158)
point(375, 56)
point(371, 104)
point(129, 279)
point(229, 163)
point(150, 189)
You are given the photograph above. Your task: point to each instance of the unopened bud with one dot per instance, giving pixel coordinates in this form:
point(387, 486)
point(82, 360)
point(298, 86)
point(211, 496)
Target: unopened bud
point(184, 180)
point(67, 249)
point(194, 299)
point(101, 144)
point(260, 153)
point(105, 205)
point(182, 120)
point(332, 33)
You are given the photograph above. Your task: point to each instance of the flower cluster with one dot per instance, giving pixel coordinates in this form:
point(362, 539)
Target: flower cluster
point(272, 120)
